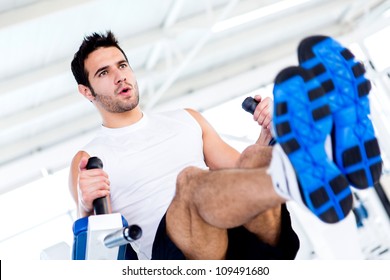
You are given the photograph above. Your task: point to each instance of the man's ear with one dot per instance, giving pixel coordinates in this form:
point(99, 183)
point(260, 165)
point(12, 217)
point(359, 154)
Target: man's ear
point(84, 90)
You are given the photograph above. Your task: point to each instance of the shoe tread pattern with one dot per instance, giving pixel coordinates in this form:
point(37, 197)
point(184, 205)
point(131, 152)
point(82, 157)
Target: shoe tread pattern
point(301, 131)
point(355, 147)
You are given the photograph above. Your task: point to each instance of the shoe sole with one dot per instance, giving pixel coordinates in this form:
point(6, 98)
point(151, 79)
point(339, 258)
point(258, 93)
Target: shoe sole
point(301, 126)
point(355, 148)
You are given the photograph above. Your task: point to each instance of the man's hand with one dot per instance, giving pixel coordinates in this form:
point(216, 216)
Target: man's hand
point(92, 184)
point(263, 116)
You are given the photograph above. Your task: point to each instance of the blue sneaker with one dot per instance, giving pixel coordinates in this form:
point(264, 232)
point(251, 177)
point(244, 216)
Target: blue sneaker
point(355, 148)
point(302, 122)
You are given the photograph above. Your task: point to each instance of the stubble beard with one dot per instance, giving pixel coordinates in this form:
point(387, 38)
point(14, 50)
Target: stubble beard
point(115, 105)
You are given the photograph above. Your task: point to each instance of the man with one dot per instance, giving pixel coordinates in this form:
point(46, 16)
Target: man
point(229, 212)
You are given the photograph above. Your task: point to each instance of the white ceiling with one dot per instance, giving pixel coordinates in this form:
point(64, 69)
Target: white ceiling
point(178, 59)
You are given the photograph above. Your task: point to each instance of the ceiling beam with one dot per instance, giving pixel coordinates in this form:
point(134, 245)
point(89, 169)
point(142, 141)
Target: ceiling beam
point(36, 10)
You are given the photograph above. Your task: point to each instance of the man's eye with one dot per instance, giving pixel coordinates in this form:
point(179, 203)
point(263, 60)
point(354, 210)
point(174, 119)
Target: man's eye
point(123, 65)
point(102, 73)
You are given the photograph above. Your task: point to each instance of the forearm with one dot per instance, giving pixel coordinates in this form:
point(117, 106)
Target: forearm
point(264, 137)
point(82, 212)
point(85, 212)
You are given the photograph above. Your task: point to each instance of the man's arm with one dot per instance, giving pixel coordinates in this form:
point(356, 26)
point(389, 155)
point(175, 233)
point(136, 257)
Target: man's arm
point(218, 154)
point(86, 185)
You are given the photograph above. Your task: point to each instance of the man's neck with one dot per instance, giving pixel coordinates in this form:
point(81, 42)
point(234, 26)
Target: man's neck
point(117, 120)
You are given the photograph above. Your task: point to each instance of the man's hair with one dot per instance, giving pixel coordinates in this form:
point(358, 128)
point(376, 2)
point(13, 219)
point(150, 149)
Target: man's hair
point(90, 44)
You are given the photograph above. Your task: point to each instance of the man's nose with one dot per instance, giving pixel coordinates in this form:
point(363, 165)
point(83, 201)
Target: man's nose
point(119, 77)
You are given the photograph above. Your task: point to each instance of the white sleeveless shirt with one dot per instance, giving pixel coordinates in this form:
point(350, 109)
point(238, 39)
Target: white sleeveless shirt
point(142, 162)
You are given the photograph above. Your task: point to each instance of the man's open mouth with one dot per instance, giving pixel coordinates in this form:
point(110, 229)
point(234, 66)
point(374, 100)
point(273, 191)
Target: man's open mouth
point(125, 90)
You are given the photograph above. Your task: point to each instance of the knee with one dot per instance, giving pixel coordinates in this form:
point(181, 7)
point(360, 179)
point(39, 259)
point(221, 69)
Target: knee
point(186, 182)
point(255, 156)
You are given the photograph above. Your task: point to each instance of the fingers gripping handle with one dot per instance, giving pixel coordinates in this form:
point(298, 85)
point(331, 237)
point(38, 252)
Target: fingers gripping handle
point(100, 205)
point(250, 105)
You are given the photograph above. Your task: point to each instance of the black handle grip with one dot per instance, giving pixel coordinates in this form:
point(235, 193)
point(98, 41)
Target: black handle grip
point(249, 105)
point(94, 163)
point(100, 205)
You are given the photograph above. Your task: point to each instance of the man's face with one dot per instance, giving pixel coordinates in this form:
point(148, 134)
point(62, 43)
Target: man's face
point(112, 80)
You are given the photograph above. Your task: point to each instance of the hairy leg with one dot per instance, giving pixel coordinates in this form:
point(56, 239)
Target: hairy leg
point(266, 225)
point(209, 202)
point(196, 238)
point(255, 156)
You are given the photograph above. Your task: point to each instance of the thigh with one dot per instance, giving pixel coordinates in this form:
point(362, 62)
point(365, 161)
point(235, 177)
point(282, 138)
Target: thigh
point(195, 238)
point(163, 247)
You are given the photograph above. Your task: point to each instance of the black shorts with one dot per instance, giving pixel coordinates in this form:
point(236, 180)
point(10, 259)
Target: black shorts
point(243, 245)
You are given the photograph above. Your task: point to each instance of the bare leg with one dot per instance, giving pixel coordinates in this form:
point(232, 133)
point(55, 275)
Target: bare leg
point(266, 225)
point(207, 203)
point(255, 156)
point(196, 238)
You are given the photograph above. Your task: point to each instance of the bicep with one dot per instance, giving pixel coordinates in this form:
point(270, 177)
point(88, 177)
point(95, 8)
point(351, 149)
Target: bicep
point(218, 154)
